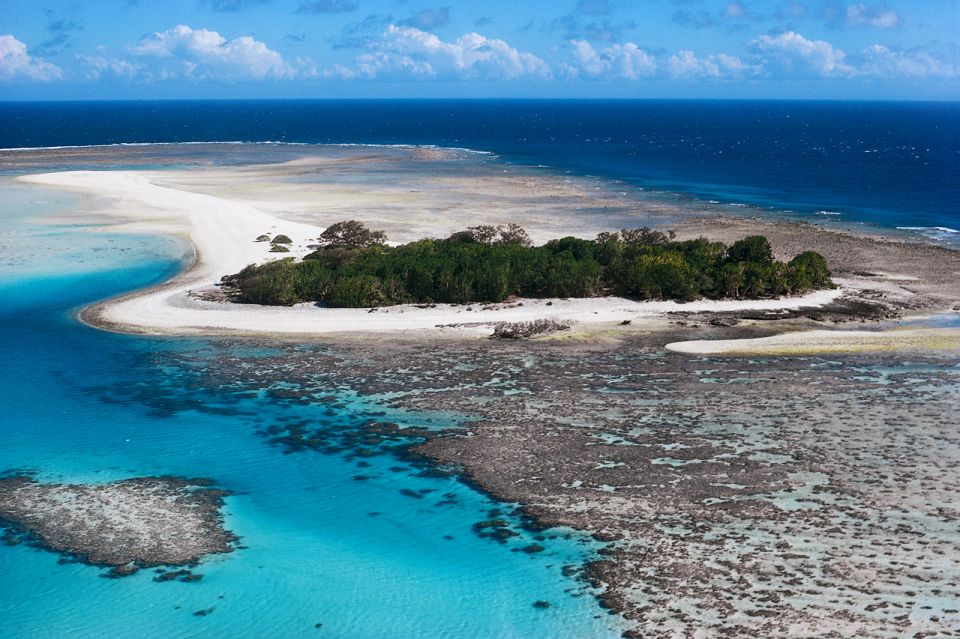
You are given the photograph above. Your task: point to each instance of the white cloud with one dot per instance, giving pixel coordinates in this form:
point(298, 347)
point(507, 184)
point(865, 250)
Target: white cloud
point(798, 53)
point(685, 64)
point(882, 62)
point(98, 65)
point(200, 53)
point(621, 60)
point(880, 17)
point(410, 51)
point(15, 62)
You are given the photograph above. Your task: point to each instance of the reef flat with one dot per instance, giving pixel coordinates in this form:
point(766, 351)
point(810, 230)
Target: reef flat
point(127, 525)
point(760, 497)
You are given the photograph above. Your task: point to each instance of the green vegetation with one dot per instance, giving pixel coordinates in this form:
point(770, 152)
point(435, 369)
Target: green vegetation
point(351, 234)
point(262, 238)
point(281, 239)
point(279, 248)
point(354, 268)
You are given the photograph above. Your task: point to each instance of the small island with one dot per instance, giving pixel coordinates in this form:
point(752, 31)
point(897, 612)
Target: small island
point(352, 267)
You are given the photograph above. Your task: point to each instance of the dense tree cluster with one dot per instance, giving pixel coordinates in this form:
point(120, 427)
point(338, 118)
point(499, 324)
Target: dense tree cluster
point(490, 264)
point(351, 234)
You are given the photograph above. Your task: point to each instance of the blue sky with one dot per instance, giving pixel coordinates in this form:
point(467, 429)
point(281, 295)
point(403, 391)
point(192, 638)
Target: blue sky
point(835, 49)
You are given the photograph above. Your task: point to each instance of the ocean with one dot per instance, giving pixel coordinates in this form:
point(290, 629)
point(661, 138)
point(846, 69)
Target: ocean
point(378, 548)
point(365, 543)
point(889, 165)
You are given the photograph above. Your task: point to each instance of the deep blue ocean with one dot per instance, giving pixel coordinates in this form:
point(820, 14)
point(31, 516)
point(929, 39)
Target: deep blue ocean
point(361, 558)
point(889, 164)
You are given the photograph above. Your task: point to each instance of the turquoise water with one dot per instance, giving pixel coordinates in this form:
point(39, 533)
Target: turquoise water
point(367, 547)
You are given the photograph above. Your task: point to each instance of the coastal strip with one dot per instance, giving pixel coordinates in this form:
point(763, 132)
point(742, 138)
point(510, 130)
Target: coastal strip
point(223, 233)
point(822, 341)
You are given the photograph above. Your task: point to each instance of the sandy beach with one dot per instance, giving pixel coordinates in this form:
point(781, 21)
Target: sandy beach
point(223, 233)
point(221, 210)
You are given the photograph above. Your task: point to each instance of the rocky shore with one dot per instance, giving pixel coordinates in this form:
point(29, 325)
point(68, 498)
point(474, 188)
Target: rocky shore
point(125, 525)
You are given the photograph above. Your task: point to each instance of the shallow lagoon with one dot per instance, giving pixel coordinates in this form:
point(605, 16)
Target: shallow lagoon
point(365, 547)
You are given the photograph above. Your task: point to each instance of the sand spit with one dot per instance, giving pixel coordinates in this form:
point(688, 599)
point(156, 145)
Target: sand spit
point(820, 341)
point(223, 232)
point(129, 524)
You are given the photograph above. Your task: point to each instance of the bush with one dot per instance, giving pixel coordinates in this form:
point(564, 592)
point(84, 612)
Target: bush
point(751, 249)
point(351, 233)
point(809, 270)
point(499, 235)
point(281, 239)
point(262, 238)
point(279, 248)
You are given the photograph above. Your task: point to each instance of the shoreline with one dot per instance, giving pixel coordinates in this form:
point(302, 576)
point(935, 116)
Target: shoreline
point(605, 473)
point(220, 210)
point(222, 233)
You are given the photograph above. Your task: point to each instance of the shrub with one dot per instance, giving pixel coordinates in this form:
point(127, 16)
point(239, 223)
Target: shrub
point(351, 233)
point(262, 238)
point(499, 235)
point(751, 249)
point(809, 270)
point(279, 248)
point(281, 239)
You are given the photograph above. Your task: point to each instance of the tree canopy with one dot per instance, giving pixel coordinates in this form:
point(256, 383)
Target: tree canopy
point(352, 234)
point(489, 264)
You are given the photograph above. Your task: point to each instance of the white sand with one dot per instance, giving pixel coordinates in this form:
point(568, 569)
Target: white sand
point(223, 231)
point(821, 341)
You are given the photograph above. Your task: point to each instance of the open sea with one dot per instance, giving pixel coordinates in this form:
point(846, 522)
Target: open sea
point(391, 554)
point(886, 164)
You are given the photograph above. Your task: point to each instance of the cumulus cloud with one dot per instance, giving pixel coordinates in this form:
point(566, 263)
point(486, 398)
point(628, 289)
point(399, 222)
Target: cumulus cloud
point(797, 53)
point(686, 64)
point(622, 60)
point(630, 62)
point(98, 66)
point(882, 62)
point(200, 53)
point(878, 16)
point(405, 51)
point(17, 63)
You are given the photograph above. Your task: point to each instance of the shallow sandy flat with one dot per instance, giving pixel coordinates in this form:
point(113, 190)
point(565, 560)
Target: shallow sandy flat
point(810, 342)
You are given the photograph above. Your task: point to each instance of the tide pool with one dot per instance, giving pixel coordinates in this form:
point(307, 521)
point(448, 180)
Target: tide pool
point(332, 545)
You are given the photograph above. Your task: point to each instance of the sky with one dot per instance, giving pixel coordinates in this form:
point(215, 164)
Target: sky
point(770, 49)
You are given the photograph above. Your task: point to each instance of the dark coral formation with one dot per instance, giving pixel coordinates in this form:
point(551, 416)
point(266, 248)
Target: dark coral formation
point(126, 525)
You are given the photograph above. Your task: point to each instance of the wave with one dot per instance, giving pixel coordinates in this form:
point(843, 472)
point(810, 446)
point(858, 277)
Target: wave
point(245, 142)
point(931, 229)
point(944, 234)
point(829, 213)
